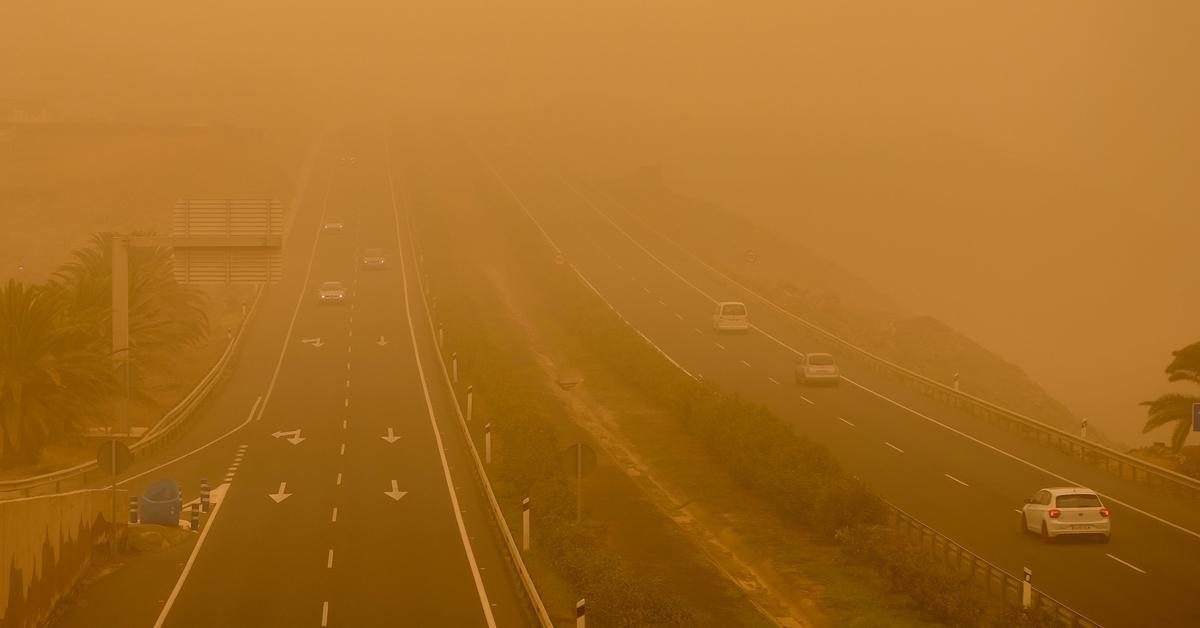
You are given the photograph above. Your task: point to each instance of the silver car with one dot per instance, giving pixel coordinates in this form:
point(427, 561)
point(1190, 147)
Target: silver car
point(374, 259)
point(817, 368)
point(332, 292)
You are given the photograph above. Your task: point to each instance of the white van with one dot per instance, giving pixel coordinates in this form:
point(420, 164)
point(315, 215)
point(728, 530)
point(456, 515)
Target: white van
point(730, 316)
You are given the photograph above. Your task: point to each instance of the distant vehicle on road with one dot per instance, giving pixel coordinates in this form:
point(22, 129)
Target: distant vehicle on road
point(1063, 511)
point(348, 159)
point(332, 292)
point(817, 368)
point(334, 225)
point(730, 316)
point(374, 258)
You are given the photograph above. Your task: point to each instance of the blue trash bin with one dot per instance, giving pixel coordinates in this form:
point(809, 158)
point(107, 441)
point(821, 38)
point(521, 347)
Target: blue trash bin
point(162, 503)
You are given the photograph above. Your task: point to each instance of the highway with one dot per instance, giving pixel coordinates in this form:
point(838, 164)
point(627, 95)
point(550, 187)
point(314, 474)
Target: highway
point(961, 475)
point(347, 495)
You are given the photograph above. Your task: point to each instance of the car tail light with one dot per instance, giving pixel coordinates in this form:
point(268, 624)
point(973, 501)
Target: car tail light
point(1103, 512)
point(1054, 513)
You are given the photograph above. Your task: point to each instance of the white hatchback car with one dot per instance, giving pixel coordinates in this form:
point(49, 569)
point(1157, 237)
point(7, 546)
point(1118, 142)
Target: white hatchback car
point(817, 368)
point(1055, 512)
point(332, 292)
point(730, 316)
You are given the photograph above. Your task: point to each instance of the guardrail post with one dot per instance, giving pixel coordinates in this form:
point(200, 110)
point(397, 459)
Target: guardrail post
point(581, 613)
point(1027, 589)
point(470, 401)
point(133, 509)
point(487, 443)
point(195, 517)
point(525, 524)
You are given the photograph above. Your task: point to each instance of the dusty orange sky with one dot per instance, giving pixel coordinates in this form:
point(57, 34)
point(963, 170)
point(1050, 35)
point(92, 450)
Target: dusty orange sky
point(1024, 170)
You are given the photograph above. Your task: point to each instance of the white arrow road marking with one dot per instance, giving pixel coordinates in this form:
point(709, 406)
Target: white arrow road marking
point(395, 493)
point(382, 341)
point(391, 436)
point(294, 435)
point(282, 494)
point(315, 342)
point(1126, 564)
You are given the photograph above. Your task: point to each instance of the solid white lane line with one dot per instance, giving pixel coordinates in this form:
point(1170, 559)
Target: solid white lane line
point(745, 362)
point(808, 401)
point(845, 421)
point(325, 613)
point(334, 514)
point(719, 345)
point(339, 480)
point(955, 479)
point(484, 603)
point(774, 381)
point(329, 561)
point(893, 447)
point(1137, 569)
point(187, 567)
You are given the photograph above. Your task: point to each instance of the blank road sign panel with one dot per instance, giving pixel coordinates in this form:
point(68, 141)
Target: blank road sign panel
point(207, 219)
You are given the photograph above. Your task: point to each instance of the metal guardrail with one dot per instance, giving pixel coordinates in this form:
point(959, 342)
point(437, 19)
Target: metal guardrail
point(516, 560)
point(156, 436)
point(992, 580)
point(1123, 465)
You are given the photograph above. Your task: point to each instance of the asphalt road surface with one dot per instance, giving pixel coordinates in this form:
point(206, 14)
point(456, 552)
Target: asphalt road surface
point(957, 473)
point(349, 497)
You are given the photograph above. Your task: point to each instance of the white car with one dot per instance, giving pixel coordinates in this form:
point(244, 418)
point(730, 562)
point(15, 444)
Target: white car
point(332, 292)
point(1055, 512)
point(334, 225)
point(730, 316)
point(817, 368)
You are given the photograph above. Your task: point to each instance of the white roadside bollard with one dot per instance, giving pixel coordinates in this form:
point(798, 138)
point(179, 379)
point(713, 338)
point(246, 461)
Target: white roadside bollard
point(525, 525)
point(956, 382)
point(487, 443)
point(470, 401)
point(1027, 589)
point(441, 336)
point(581, 613)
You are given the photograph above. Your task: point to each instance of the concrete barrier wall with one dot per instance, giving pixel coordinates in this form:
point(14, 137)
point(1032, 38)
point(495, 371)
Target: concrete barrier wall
point(47, 544)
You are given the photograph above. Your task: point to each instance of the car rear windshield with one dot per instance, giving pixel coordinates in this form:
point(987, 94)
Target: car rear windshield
point(736, 309)
point(1081, 500)
point(331, 285)
point(820, 359)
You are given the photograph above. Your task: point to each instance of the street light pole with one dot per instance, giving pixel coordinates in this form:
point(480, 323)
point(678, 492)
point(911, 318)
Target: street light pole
point(120, 330)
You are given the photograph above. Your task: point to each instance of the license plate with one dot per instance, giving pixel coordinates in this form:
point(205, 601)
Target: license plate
point(1081, 527)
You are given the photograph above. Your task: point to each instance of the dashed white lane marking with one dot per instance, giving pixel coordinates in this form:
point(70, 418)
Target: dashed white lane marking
point(1018, 511)
point(697, 330)
point(339, 480)
point(334, 514)
point(347, 366)
point(347, 383)
point(347, 402)
point(645, 289)
point(662, 303)
point(351, 333)
point(893, 447)
point(1137, 569)
point(349, 349)
point(745, 362)
point(325, 614)
point(955, 479)
point(343, 423)
point(719, 345)
point(678, 315)
point(845, 421)
point(343, 450)
point(329, 561)
point(232, 468)
point(808, 401)
point(774, 381)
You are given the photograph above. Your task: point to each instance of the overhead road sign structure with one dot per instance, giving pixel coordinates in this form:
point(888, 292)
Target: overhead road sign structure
point(228, 241)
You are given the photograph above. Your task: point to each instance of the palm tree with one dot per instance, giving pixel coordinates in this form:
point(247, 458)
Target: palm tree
point(1176, 407)
point(164, 315)
point(51, 372)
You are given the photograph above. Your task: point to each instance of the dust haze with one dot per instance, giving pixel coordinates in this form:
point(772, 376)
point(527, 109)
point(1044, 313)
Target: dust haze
point(1023, 170)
